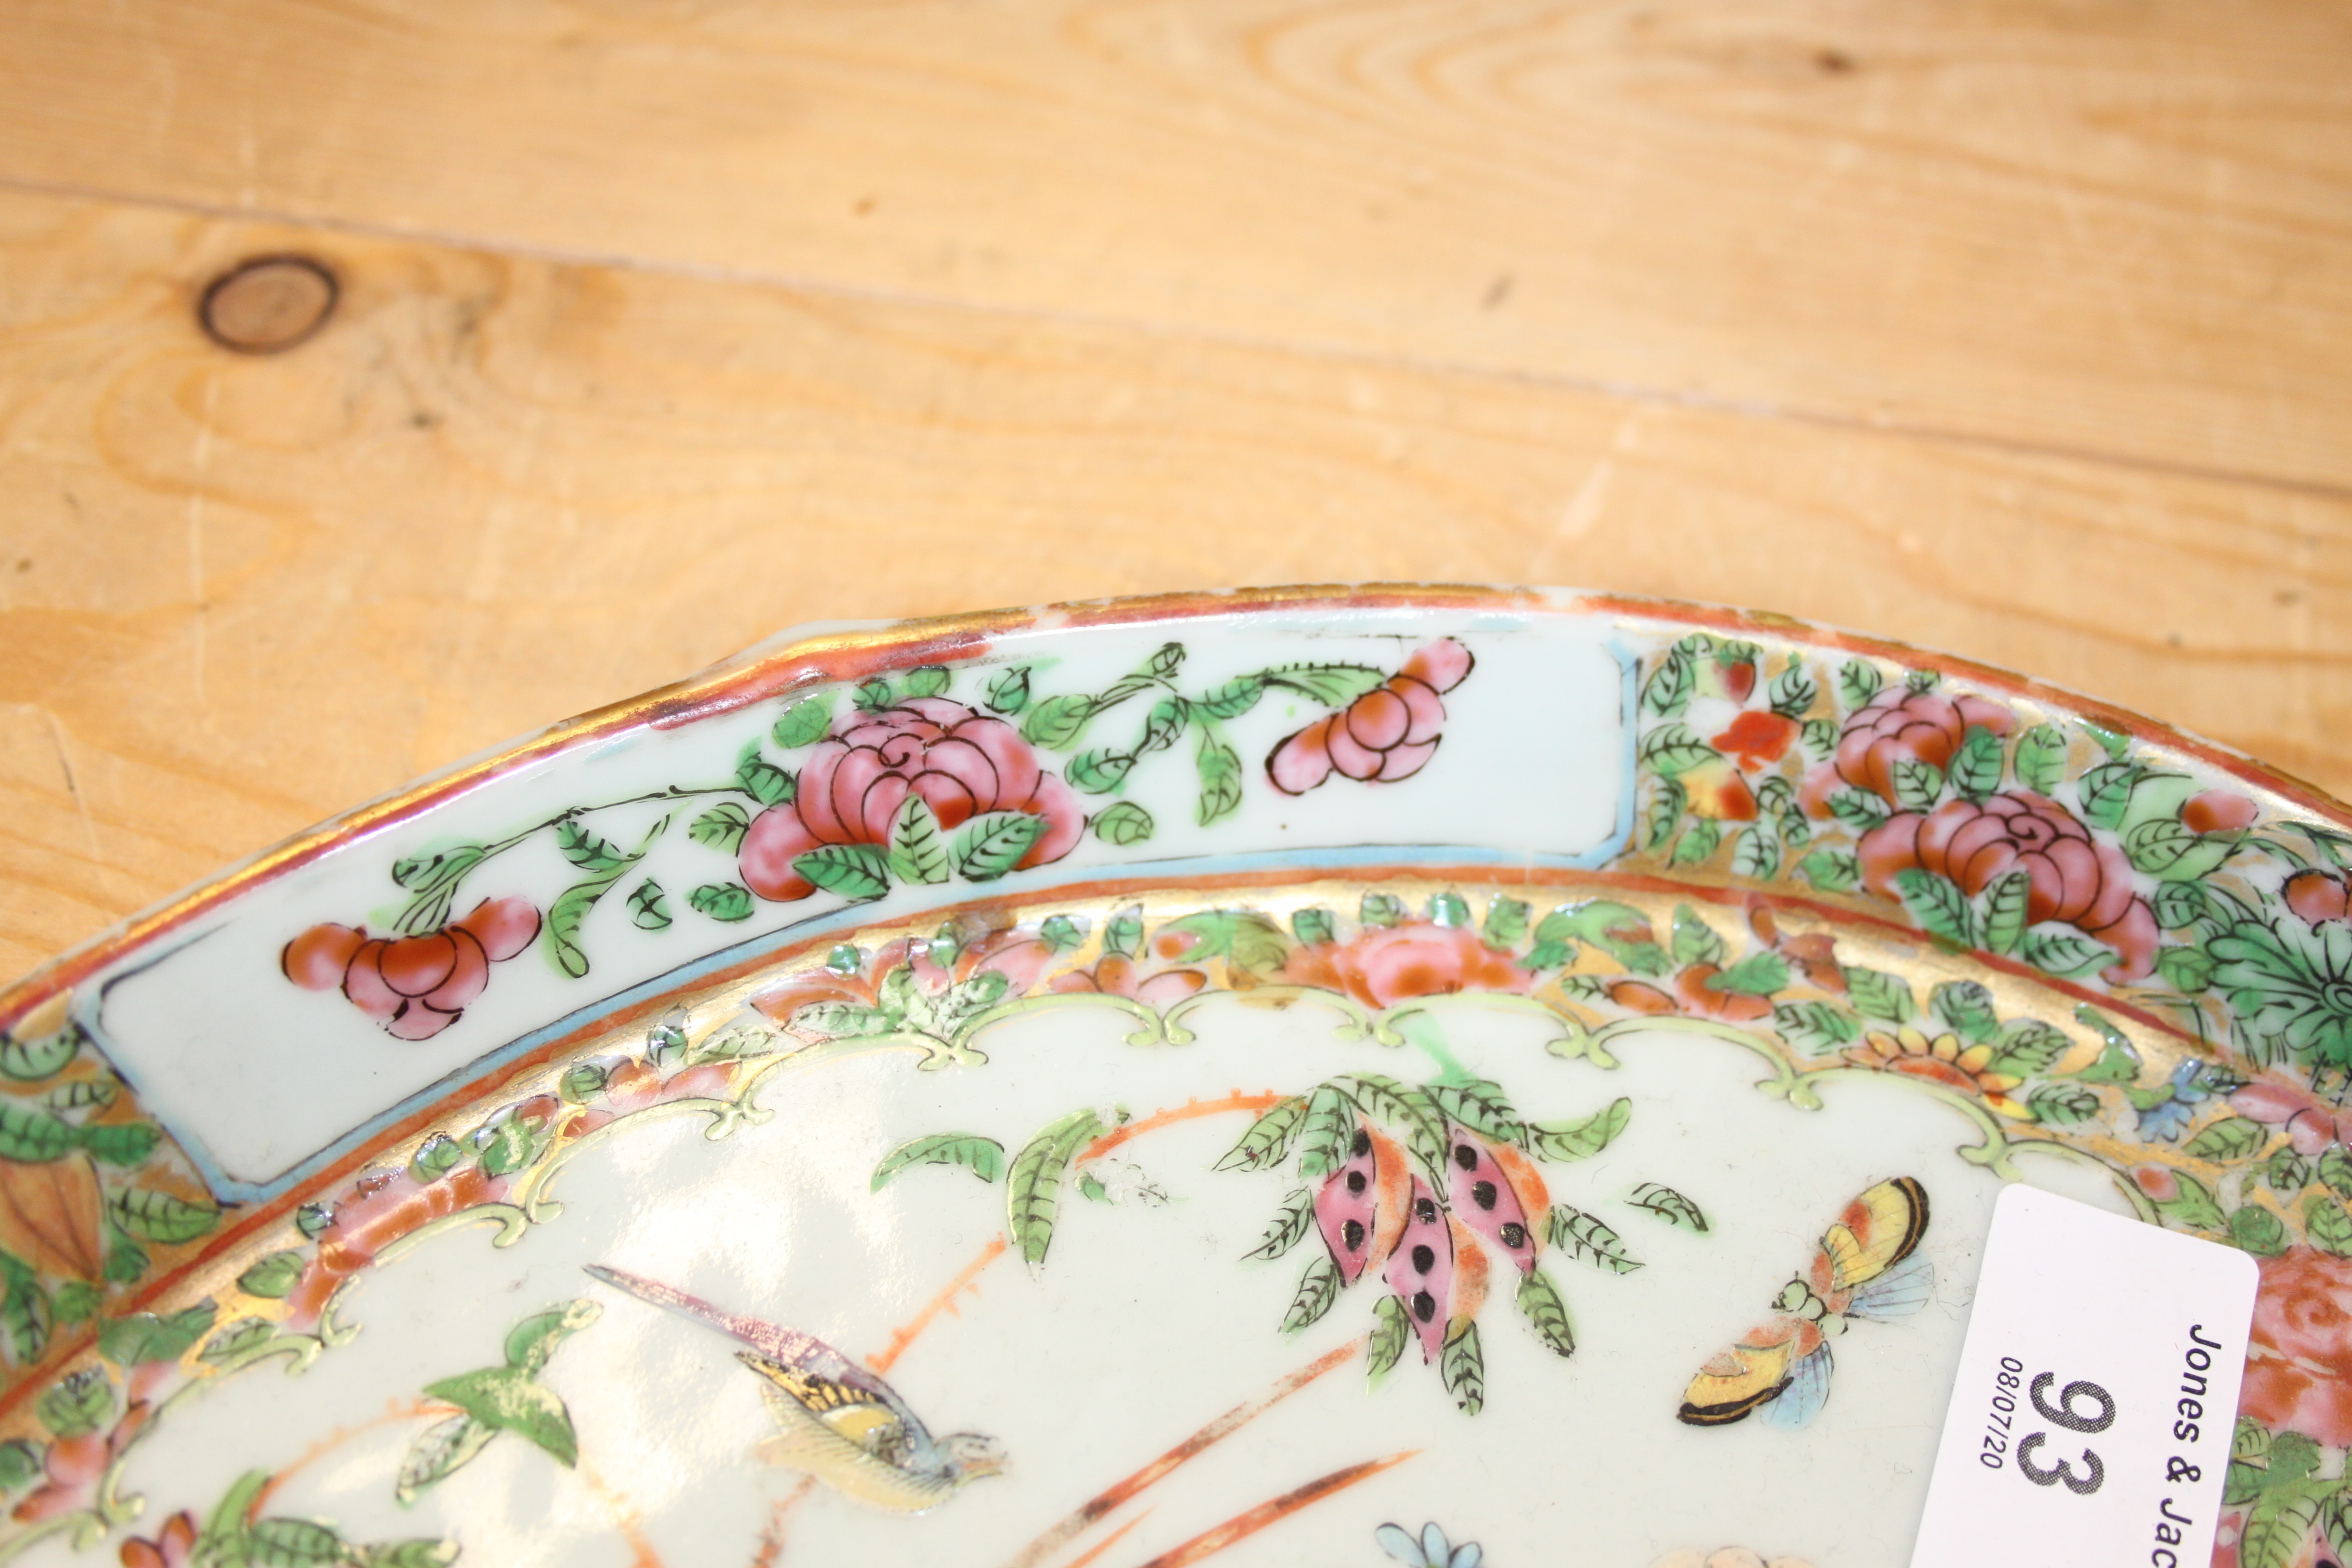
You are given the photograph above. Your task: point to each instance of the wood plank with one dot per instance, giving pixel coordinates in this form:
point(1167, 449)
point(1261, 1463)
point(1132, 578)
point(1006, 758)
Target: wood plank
point(242, 593)
point(2099, 227)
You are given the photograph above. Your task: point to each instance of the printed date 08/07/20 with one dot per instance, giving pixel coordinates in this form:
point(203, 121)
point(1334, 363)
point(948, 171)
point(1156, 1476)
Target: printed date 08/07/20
point(2081, 1406)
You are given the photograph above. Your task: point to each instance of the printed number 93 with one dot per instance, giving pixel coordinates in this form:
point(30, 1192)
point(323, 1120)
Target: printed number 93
point(2082, 1407)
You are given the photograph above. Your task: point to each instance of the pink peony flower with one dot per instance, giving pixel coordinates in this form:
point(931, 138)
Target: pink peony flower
point(1389, 964)
point(962, 764)
point(2299, 1376)
point(1385, 735)
point(1920, 726)
point(415, 986)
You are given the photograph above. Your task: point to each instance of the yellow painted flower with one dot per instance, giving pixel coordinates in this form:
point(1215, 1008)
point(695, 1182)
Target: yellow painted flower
point(1940, 1060)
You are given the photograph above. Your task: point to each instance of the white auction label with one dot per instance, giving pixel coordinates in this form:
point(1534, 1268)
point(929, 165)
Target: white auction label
point(2097, 1394)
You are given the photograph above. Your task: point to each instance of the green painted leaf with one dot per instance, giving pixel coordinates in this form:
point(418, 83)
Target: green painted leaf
point(80, 1095)
point(1976, 766)
point(1449, 909)
point(1033, 1189)
point(1479, 1105)
point(1506, 924)
point(1816, 1028)
point(728, 901)
point(510, 1145)
point(509, 1400)
point(586, 850)
point(1758, 974)
point(1938, 905)
point(1333, 685)
point(722, 827)
point(412, 1554)
point(2058, 950)
point(2278, 1524)
point(429, 871)
point(1462, 1366)
point(2193, 1205)
point(1579, 1139)
point(1098, 772)
point(78, 1301)
point(1879, 995)
point(1583, 1237)
point(1831, 870)
point(1243, 937)
point(2119, 1060)
point(1313, 927)
point(1918, 784)
point(124, 1145)
point(1122, 823)
point(1858, 809)
point(438, 1452)
point(1288, 1228)
point(1540, 1303)
point(27, 1313)
point(2029, 1048)
point(1675, 749)
point(1663, 814)
point(991, 844)
point(2228, 1141)
point(2186, 969)
point(2105, 792)
point(2257, 1230)
point(1318, 1289)
point(2041, 758)
point(1231, 700)
point(1391, 1332)
point(296, 1543)
point(274, 1277)
point(1057, 722)
point(1407, 1110)
point(983, 1157)
point(1380, 909)
point(20, 1462)
point(1755, 854)
point(1269, 1138)
point(1821, 737)
point(918, 850)
point(649, 906)
point(2335, 1169)
point(805, 722)
point(1164, 724)
point(871, 695)
point(1668, 1205)
point(1124, 935)
point(2005, 909)
point(30, 1061)
point(436, 1157)
point(1858, 683)
point(1697, 844)
point(927, 680)
point(79, 1404)
point(1922, 680)
point(1793, 691)
point(854, 871)
point(30, 1137)
point(1668, 690)
point(1219, 766)
point(1965, 1008)
point(2286, 1172)
point(1695, 942)
point(2327, 1227)
point(161, 1218)
point(2062, 1104)
point(143, 1336)
point(1062, 933)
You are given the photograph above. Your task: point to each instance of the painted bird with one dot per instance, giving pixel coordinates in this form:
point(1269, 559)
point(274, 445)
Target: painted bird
point(835, 1420)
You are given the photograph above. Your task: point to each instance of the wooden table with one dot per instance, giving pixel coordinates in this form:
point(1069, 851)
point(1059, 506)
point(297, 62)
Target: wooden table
point(2018, 329)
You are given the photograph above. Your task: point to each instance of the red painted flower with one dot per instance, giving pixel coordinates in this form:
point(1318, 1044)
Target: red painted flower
point(2318, 896)
point(1417, 958)
point(2073, 880)
point(174, 1545)
point(415, 986)
point(1757, 738)
point(2218, 811)
point(1901, 725)
point(2299, 1376)
point(962, 764)
point(1385, 735)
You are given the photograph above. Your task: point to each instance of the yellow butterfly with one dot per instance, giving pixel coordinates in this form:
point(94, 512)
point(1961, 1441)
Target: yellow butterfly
point(1865, 1268)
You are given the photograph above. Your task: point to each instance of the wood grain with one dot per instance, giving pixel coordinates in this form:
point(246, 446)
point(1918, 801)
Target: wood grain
point(2090, 225)
point(242, 593)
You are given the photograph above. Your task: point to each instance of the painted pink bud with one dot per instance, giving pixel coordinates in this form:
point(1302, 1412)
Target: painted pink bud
point(1361, 1207)
point(1422, 1270)
point(1484, 1199)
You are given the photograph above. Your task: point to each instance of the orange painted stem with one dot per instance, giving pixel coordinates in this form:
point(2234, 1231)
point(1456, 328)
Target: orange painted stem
point(1158, 1470)
point(1210, 1542)
point(397, 1411)
point(882, 1360)
point(1107, 1542)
